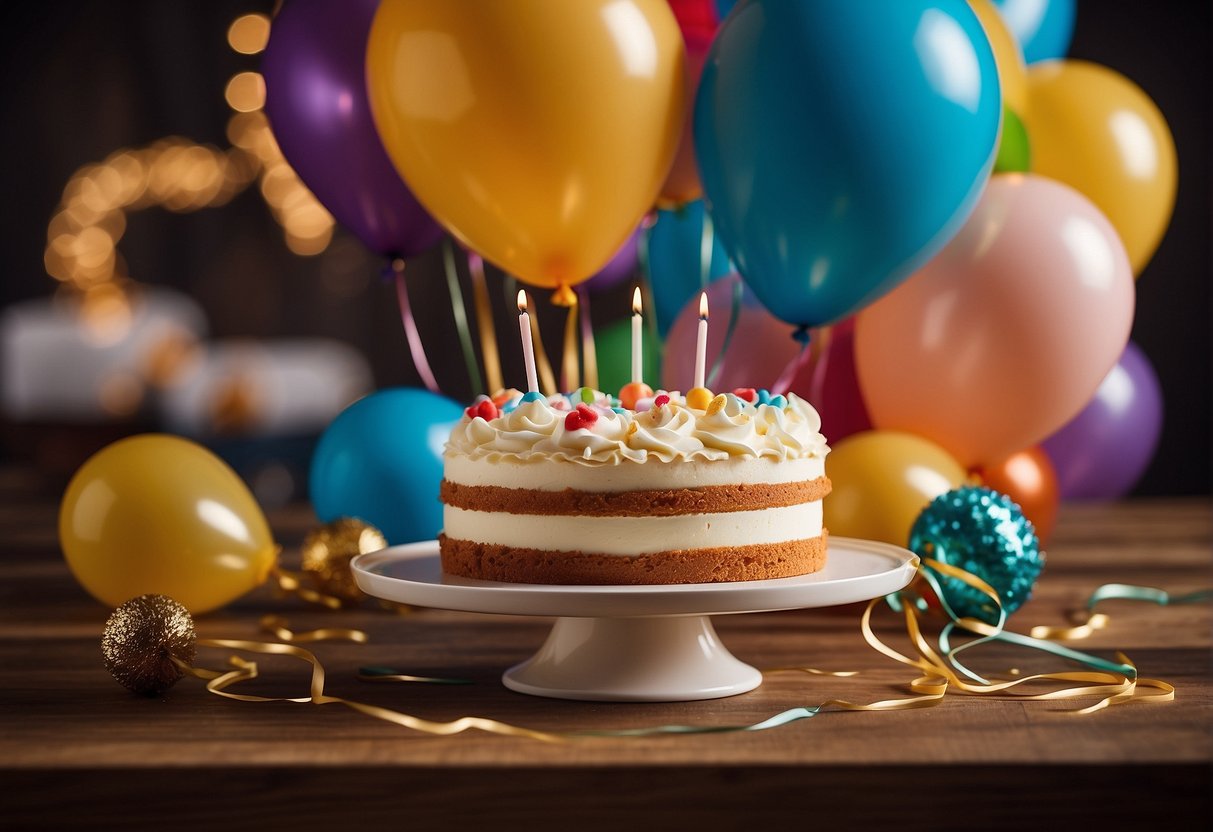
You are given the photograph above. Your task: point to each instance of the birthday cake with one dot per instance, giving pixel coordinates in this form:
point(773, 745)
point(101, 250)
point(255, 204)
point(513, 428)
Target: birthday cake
point(578, 490)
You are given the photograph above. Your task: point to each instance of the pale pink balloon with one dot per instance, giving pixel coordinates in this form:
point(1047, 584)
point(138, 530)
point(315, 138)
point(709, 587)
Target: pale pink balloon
point(759, 350)
point(1006, 334)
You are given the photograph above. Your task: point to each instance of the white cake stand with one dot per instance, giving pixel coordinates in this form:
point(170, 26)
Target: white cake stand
point(634, 643)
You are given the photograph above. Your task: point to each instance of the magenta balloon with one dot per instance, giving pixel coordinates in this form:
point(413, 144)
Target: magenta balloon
point(315, 97)
point(760, 348)
point(619, 268)
point(1102, 452)
point(833, 385)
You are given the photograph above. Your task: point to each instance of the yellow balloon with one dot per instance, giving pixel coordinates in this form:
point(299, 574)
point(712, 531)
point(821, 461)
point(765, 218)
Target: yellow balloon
point(537, 132)
point(882, 480)
point(1098, 132)
point(161, 514)
point(1008, 56)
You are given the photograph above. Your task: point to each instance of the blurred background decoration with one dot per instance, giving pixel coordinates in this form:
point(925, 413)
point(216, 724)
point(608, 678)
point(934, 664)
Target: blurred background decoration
point(251, 326)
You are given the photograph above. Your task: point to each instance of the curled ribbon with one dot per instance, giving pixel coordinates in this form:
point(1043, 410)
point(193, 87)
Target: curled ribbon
point(1086, 621)
point(291, 583)
point(1116, 682)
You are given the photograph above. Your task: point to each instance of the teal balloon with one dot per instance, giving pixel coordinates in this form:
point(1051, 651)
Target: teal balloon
point(675, 260)
point(1044, 28)
point(613, 348)
point(842, 143)
point(381, 461)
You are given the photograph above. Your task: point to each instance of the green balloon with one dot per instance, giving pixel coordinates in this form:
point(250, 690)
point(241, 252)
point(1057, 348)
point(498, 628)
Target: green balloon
point(1014, 148)
point(613, 344)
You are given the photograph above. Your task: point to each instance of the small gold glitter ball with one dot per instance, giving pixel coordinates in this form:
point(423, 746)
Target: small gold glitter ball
point(141, 639)
point(328, 550)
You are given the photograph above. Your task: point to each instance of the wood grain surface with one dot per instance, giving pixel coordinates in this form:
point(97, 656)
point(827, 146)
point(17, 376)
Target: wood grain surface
point(77, 748)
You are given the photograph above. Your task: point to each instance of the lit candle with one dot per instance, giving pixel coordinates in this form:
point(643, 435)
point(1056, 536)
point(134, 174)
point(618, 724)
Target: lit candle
point(637, 345)
point(528, 347)
point(701, 346)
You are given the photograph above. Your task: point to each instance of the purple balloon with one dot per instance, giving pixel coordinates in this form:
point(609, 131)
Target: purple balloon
point(619, 268)
point(1102, 452)
point(315, 97)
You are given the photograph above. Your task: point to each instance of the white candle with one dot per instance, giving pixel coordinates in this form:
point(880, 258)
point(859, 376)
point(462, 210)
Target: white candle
point(528, 347)
point(637, 345)
point(701, 346)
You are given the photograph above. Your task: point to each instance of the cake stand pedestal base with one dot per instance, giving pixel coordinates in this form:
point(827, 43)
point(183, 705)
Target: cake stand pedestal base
point(669, 659)
point(652, 643)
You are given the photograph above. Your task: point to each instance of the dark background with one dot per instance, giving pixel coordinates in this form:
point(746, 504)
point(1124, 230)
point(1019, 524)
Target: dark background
point(84, 78)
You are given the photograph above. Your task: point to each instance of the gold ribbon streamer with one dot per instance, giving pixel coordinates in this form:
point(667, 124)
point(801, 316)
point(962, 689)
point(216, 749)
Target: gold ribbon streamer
point(939, 675)
point(218, 682)
point(484, 324)
point(291, 583)
point(937, 668)
point(1086, 622)
point(277, 626)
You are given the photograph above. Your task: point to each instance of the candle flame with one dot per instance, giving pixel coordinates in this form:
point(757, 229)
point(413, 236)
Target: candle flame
point(522, 304)
point(703, 306)
point(636, 307)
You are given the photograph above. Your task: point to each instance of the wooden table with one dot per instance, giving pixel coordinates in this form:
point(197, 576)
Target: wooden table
point(74, 745)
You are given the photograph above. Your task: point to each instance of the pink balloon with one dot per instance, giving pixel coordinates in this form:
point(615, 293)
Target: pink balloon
point(759, 350)
point(831, 384)
point(1005, 335)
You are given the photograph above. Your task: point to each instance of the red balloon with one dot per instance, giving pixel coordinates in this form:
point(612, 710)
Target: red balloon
point(833, 385)
point(698, 21)
point(1028, 478)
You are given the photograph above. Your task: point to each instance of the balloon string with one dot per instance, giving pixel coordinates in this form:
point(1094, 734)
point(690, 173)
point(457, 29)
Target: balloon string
point(820, 350)
point(734, 317)
point(484, 323)
point(784, 382)
point(589, 352)
point(416, 349)
point(569, 371)
point(460, 311)
point(707, 240)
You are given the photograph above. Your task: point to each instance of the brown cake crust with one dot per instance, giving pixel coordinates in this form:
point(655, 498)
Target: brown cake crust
point(754, 562)
point(709, 499)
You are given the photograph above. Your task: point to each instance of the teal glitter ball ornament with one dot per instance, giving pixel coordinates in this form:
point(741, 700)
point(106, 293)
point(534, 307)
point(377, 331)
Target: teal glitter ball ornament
point(986, 534)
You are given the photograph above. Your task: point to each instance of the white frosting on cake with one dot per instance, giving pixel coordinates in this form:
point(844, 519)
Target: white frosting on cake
point(673, 432)
point(538, 473)
point(635, 535)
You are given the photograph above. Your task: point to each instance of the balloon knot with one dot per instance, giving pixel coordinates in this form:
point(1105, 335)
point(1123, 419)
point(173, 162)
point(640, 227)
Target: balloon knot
point(801, 335)
point(564, 296)
point(393, 268)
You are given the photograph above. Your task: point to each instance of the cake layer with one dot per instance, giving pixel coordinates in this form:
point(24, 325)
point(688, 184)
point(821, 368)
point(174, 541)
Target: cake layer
point(551, 475)
point(634, 535)
point(706, 500)
point(754, 562)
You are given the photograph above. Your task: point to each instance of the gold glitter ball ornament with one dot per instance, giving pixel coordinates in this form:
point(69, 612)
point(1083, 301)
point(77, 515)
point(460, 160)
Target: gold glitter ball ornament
point(327, 552)
point(141, 639)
